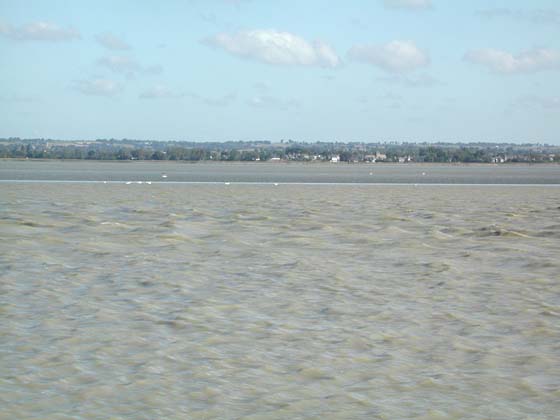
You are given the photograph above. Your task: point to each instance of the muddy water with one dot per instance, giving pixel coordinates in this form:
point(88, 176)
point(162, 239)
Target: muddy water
point(274, 302)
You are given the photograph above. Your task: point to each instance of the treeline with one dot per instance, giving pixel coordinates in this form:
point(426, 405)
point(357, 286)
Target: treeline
point(114, 153)
point(290, 151)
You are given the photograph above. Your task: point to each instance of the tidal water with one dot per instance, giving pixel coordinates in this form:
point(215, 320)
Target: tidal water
point(278, 172)
point(262, 301)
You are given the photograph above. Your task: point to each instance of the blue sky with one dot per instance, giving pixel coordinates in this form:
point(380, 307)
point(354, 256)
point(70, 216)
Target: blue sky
point(371, 70)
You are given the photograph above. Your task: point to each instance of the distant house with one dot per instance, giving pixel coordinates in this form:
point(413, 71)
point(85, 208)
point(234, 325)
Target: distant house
point(376, 157)
point(335, 159)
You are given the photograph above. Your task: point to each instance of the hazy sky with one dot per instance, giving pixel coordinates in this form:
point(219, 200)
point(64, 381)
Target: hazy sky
point(371, 70)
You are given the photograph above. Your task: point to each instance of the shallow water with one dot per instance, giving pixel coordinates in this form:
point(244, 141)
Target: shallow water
point(274, 302)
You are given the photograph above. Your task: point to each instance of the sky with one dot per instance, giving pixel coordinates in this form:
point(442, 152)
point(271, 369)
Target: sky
point(311, 70)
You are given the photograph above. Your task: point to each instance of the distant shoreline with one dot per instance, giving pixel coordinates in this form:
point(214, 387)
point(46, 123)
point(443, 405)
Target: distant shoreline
point(279, 163)
point(318, 152)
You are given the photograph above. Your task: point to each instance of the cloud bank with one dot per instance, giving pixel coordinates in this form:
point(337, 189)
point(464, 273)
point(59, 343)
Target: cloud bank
point(277, 48)
point(536, 16)
point(531, 61)
point(394, 57)
point(39, 31)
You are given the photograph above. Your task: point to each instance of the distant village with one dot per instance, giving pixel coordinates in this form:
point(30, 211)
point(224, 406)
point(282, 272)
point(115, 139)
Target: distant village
point(283, 151)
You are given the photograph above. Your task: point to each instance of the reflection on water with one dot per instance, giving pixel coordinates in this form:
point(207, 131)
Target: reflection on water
point(257, 302)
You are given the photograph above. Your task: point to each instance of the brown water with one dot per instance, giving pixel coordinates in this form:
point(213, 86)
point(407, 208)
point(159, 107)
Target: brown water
point(279, 302)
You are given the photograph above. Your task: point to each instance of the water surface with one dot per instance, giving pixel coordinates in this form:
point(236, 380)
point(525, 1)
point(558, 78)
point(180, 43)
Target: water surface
point(279, 172)
point(273, 302)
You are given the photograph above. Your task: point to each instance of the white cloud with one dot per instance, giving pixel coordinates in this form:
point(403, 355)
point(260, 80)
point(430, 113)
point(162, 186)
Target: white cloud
point(119, 63)
point(538, 59)
point(127, 65)
point(536, 16)
point(39, 31)
point(273, 47)
point(98, 87)
point(395, 57)
point(112, 42)
point(408, 4)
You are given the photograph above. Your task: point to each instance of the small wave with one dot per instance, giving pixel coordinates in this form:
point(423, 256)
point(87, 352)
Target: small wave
point(494, 230)
point(31, 223)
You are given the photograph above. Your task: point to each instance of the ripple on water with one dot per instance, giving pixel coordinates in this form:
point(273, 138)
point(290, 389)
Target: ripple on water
point(188, 301)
